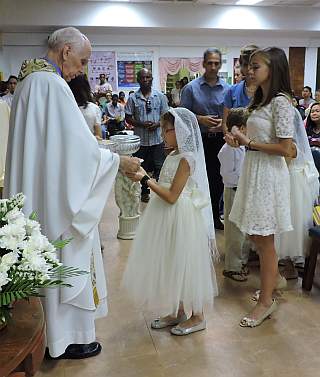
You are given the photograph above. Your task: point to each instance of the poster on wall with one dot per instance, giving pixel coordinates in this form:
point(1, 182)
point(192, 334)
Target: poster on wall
point(224, 75)
point(102, 62)
point(128, 65)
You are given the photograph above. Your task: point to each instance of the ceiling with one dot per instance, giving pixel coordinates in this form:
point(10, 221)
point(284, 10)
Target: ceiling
point(280, 3)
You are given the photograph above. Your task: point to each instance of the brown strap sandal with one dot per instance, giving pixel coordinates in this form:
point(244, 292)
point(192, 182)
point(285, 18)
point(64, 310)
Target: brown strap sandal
point(289, 271)
point(235, 275)
point(245, 270)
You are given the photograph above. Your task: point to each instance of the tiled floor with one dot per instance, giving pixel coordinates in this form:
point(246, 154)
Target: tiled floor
point(288, 345)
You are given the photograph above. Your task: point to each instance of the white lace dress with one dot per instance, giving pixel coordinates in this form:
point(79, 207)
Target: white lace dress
point(262, 201)
point(170, 259)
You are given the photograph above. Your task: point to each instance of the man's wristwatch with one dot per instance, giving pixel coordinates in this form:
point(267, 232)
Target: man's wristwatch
point(144, 180)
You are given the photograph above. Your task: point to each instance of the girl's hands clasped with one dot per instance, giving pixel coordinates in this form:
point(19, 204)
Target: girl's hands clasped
point(231, 140)
point(241, 138)
point(235, 138)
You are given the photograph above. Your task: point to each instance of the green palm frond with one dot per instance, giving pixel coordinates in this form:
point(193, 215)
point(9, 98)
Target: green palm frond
point(63, 272)
point(22, 286)
point(60, 244)
point(5, 314)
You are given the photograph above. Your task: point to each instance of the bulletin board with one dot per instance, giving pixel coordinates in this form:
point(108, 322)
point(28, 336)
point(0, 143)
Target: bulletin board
point(128, 65)
point(102, 62)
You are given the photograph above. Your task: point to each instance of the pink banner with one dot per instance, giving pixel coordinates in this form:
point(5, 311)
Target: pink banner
point(171, 66)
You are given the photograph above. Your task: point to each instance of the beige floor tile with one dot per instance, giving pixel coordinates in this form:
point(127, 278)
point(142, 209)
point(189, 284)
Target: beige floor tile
point(125, 334)
point(148, 365)
point(284, 346)
point(52, 368)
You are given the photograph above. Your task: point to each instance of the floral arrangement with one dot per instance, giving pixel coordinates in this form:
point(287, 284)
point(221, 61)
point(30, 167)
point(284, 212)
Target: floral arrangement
point(28, 260)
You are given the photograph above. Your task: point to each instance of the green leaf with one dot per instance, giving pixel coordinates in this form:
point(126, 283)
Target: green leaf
point(60, 244)
point(33, 216)
point(28, 284)
point(5, 315)
point(63, 272)
point(7, 298)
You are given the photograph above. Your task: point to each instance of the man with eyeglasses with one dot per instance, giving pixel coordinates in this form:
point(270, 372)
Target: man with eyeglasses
point(204, 96)
point(143, 111)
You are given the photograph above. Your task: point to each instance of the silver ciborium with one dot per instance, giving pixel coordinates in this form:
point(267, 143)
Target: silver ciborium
point(127, 192)
point(108, 144)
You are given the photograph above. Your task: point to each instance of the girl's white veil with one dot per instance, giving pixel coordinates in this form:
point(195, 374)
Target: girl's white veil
point(190, 146)
point(304, 157)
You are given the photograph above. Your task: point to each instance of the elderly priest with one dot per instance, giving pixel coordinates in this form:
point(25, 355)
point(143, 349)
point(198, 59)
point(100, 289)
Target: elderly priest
point(54, 159)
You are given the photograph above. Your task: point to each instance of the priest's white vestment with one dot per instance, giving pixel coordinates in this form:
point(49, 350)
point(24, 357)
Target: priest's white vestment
point(54, 159)
point(4, 131)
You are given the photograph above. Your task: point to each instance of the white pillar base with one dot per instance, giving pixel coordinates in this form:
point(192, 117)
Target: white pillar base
point(127, 227)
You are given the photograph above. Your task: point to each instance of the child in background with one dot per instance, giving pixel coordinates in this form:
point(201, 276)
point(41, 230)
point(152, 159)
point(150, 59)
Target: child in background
point(231, 160)
point(170, 267)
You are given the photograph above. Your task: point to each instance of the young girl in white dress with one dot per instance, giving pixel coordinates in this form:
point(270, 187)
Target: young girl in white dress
point(170, 265)
point(304, 179)
point(261, 206)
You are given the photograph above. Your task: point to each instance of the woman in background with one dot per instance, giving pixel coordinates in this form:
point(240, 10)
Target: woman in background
point(313, 132)
point(81, 90)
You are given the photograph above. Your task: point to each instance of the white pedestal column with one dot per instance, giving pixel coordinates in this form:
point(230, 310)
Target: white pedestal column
point(127, 195)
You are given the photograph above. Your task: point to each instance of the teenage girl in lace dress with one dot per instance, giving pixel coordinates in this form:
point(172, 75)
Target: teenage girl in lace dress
point(261, 206)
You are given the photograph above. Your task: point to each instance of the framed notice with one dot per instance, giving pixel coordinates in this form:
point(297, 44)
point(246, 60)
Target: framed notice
point(128, 65)
point(102, 62)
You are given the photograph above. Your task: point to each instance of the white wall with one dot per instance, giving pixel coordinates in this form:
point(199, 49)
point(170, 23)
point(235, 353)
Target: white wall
point(169, 30)
point(11, 57)
point(156, 15)
point(19, 46)
point(310, 68)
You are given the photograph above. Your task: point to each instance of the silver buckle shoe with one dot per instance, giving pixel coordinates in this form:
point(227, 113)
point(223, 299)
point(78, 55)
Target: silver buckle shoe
point(251, 322)
point(281, 284)
point(180, 331)
point(160, 323)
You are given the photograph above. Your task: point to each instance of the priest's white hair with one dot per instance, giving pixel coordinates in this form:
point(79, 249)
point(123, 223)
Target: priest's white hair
point(67, 36)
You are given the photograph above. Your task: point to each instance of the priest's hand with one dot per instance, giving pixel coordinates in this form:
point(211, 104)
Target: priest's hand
point(136, 177)
point(129, 164)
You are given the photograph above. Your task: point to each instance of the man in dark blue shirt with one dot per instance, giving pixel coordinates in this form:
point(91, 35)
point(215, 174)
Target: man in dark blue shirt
point(240, 94)
point(204, 97)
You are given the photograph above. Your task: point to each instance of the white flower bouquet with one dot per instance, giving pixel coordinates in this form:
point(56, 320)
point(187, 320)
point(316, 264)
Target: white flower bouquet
point(28, 260)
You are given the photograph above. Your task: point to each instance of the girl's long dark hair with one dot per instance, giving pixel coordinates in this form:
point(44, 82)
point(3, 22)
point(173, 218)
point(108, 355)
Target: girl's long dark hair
point(81, 90)
point(310, 123)
point(277, 62)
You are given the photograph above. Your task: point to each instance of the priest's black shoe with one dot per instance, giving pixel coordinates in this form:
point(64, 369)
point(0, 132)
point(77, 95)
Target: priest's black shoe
point(78, 351)
point(218, 224)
